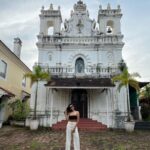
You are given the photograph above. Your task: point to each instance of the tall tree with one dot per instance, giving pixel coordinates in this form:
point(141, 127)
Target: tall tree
point(37, 75)
point(125, 79)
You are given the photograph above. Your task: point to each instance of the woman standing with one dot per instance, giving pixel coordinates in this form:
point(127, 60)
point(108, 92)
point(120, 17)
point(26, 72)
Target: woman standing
point(73, 117)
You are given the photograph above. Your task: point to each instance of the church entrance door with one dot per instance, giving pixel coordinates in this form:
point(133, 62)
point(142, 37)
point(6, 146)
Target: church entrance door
point(79, 99)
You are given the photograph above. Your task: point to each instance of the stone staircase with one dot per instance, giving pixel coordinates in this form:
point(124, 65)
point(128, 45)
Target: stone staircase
point(84, 125)
point(142, 125)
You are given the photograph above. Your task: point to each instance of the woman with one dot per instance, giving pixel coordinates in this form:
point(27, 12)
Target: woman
point(72, 130)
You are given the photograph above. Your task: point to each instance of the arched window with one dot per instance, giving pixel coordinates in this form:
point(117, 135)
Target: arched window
point(50, 27)
point(79, 66)
point(50, 30)
point(109, 26)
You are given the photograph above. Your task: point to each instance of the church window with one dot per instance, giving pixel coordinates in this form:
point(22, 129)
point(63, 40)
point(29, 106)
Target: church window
point(50, 57)
point(79, 66)
point(3, 69)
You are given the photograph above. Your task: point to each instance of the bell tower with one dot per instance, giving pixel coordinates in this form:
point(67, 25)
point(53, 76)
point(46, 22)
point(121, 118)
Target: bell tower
point(50, 18)
point(109, 20)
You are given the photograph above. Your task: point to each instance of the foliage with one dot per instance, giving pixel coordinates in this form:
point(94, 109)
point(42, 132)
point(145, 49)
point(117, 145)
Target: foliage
point(145, 93)
point(145, 111)
point(125, 79)
point(145, 102)
point(37, 75)
point(122, 65)
point(1, 105)
point(36, 145)
point(20, 110)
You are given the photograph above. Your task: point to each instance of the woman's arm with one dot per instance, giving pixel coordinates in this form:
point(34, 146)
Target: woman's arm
point(78, 118)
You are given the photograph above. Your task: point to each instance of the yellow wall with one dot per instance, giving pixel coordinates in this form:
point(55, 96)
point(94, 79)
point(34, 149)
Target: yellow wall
point(14, 76)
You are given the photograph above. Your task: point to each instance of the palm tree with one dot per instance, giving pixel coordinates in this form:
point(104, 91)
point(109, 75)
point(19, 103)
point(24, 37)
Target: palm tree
point(125, 79)
point(37, 75)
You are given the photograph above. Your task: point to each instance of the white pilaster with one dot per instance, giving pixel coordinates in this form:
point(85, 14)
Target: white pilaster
point(107, 99)
point(51, 118)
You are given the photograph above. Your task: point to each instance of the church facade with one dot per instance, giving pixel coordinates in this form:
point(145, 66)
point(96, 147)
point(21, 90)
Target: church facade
point(81, 57)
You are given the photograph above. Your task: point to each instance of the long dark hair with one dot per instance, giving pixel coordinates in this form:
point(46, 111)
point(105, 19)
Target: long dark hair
point(68, 109)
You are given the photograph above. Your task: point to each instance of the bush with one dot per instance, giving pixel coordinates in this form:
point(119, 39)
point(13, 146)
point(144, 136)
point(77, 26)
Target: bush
point(20, 110)
point(145, 111)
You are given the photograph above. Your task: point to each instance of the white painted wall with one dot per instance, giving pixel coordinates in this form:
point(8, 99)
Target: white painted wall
point(101, 105)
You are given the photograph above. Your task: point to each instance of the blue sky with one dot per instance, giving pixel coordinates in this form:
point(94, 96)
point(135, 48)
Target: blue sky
point(20, 18)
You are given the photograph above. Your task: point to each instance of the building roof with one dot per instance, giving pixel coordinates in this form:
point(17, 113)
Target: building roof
point(91, 83)
point(14, 56)
point(4, 92)
point(142, 84)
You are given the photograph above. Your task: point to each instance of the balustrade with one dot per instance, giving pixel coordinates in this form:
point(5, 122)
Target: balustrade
point(87, 40)
point(88, 72)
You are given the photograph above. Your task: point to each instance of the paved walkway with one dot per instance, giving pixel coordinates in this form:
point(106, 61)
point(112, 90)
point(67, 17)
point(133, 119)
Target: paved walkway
point(15, 138)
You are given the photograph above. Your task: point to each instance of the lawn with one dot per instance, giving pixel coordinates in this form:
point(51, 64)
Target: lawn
point(15, 138)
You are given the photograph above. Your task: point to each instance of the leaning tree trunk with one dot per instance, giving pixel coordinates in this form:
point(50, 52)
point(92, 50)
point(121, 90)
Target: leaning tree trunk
point(128, 103)
point(35, 104)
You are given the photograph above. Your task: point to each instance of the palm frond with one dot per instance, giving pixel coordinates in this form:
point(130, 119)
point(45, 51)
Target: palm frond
point(135, 74)
point(134, 84)
point(120, 86)
point(37, 75)
point(116, 78)
point(44, 76)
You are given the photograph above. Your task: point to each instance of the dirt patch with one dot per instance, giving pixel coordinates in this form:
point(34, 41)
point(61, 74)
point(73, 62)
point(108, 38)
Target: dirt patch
point(15, 138)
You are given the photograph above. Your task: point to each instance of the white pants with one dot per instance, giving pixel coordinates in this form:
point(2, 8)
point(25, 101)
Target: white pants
point(69, 134)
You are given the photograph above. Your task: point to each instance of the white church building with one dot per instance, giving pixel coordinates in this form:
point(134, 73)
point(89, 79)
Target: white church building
point(82, 54)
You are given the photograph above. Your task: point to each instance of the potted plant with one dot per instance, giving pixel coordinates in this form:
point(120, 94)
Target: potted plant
point(20, 111)
point(37, 75)
point(125, 79)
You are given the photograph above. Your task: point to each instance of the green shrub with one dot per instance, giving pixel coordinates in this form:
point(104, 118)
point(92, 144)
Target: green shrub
point(145, 111)
point(20, 110)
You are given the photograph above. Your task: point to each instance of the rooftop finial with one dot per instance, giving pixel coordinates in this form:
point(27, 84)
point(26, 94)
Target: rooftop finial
point(118, 7)
point(100, 7)
point(80, 2)
point(108, 6)
point(71, 12)
point(51, 6)
point(42, 8)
